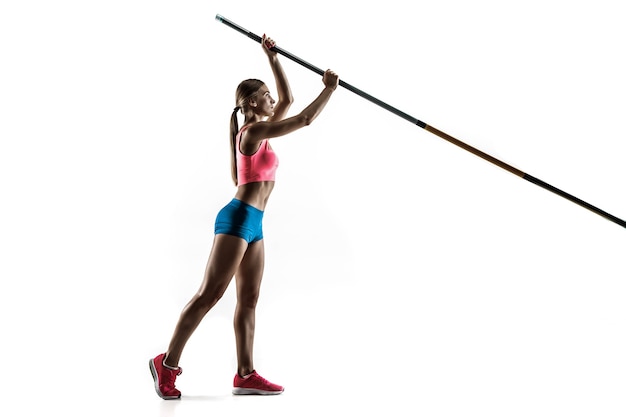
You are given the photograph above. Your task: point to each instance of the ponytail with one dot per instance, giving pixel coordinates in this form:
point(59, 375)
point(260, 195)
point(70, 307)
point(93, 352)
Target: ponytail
point(234, 129)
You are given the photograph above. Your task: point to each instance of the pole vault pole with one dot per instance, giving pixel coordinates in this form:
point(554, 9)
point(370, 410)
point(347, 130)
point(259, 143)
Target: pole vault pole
point(431, 129)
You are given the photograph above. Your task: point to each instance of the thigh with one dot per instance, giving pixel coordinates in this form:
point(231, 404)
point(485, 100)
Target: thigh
point(226, 256)
point(250, 273)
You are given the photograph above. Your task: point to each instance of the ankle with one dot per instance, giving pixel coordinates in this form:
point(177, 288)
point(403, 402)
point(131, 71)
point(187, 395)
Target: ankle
point(245, 373)
point(173, 368)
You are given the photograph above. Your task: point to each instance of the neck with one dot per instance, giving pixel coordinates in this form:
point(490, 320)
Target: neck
point(251, 117)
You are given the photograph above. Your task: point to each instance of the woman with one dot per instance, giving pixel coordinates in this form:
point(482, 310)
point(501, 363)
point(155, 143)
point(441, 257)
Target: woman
point(238, 248)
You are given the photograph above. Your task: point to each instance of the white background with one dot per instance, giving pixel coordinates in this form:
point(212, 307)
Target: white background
point(404, 275)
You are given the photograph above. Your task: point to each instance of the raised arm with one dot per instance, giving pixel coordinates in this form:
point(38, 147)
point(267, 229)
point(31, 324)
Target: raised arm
point(270, 129)
point(282, 85)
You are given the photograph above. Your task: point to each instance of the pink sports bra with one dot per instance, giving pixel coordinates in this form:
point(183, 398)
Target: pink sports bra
point(260, 166)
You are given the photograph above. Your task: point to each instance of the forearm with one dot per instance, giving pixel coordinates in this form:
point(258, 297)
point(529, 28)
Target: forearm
point(311, 111)
point(282, 84)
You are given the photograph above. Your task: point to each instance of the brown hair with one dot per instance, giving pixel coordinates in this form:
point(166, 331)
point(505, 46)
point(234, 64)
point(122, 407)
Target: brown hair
point(245, 90)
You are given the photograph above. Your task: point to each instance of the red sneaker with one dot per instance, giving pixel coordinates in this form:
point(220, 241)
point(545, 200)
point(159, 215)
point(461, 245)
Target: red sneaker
point(255, 384)
point(164, 378)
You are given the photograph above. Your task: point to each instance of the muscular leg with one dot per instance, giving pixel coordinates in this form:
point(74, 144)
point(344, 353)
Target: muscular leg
point(248, 281)
point(226, 255)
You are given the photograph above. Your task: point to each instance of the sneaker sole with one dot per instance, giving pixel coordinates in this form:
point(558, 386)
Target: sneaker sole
point(156, 383)
point(252, 391)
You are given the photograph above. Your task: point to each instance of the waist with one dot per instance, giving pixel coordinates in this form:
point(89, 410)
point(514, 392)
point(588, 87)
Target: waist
point(255, 194)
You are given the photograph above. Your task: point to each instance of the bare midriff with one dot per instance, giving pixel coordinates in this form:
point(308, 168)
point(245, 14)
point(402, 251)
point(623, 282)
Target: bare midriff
point(255, 193)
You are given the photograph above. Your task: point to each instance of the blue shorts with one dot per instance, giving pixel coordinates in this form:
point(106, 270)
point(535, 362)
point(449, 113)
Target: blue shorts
point(240, 219)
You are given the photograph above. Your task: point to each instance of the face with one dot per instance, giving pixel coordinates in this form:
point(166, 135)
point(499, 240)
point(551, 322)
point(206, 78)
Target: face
point(263, 103)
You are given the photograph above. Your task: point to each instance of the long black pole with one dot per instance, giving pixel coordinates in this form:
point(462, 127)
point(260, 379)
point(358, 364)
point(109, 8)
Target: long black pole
point(431, 129)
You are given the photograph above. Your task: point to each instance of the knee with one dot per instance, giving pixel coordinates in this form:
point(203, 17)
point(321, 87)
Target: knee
point(205, 299)
point(247, 299)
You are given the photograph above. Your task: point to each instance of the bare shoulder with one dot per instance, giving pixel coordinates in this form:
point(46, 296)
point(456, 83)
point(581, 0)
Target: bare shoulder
point(253, 133)
point(272, 129)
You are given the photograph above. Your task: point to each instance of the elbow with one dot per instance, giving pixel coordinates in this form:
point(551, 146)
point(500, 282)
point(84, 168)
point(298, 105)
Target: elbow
point(287, 101)
point(284, 104)
point(303, 119)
